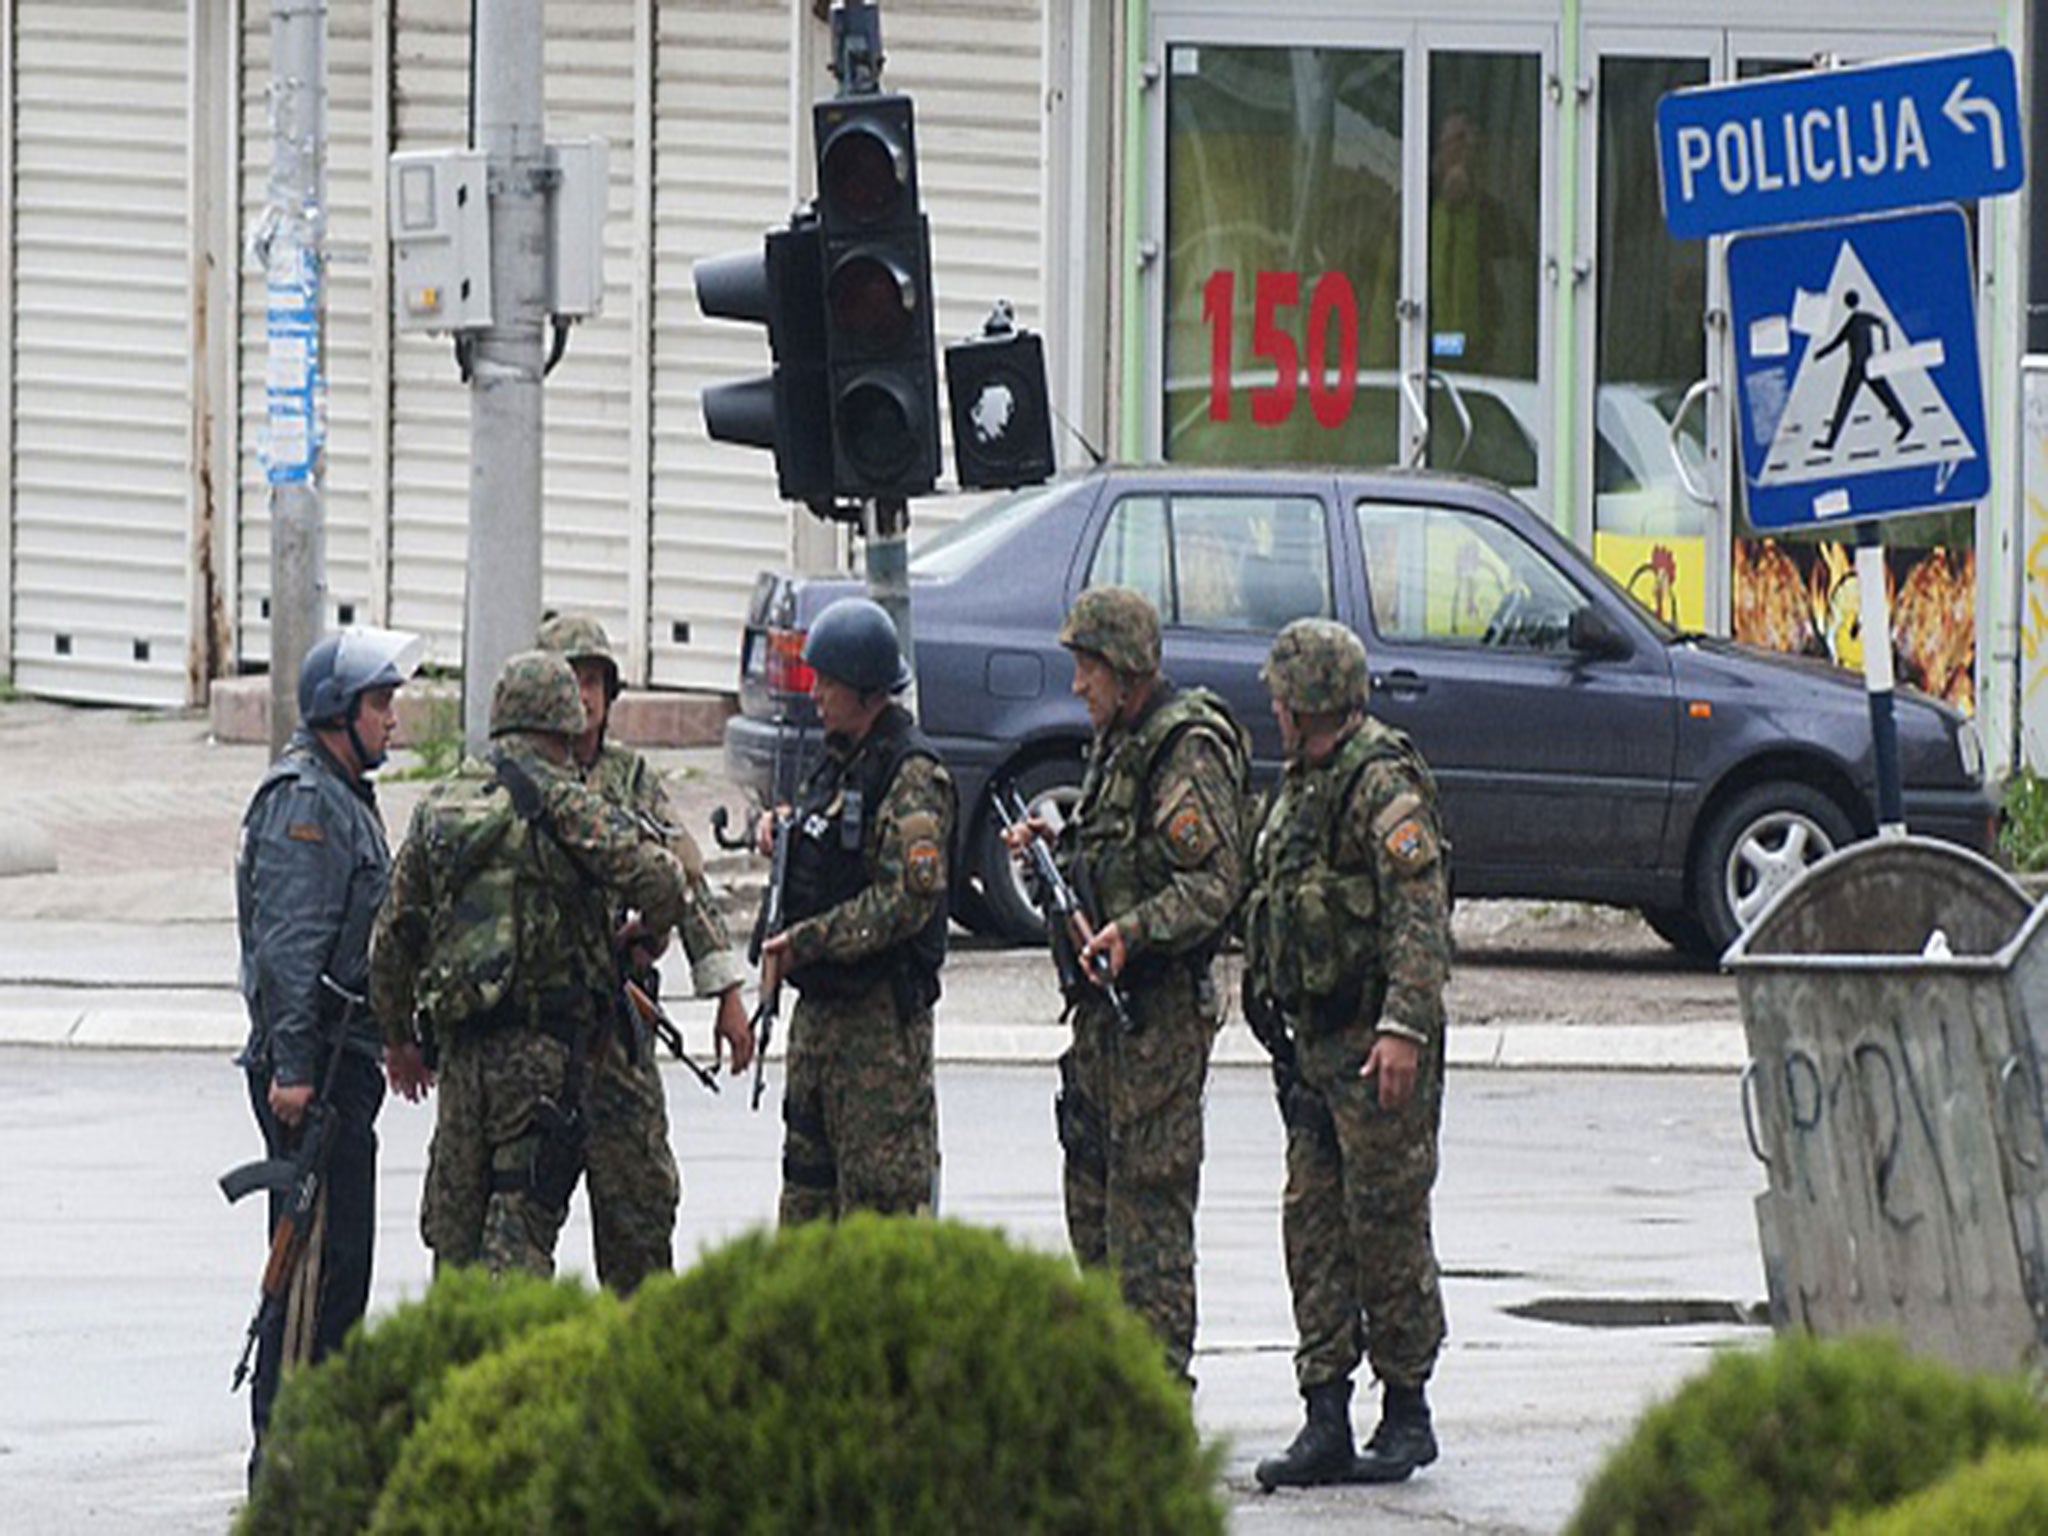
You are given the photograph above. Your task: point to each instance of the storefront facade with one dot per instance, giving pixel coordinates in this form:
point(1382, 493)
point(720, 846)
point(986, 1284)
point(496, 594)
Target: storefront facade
point(1362, 233)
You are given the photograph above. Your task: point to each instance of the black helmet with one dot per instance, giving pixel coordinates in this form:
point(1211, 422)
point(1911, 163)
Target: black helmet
point(854, 642)
point(340, 668)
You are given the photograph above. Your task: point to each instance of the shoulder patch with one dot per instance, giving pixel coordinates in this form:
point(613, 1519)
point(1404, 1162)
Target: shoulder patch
point(1397, 810)
point(1410, 844)
point(305, 832)
point(1190, 833)
point(924, 866)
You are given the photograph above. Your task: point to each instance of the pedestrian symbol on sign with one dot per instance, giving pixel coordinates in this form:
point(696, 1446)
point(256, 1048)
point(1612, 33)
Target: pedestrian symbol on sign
point(1857, 363)
point(1863, 397)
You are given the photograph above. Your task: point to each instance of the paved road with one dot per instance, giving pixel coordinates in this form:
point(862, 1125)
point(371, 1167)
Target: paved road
point(125, 1281)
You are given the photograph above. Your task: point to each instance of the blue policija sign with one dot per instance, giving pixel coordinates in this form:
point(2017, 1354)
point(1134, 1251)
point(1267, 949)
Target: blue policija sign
point(1829, 144)
point(1858, 389)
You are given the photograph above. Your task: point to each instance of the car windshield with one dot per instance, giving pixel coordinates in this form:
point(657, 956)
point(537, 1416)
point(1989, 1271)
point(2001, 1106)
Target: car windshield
point(956, 548)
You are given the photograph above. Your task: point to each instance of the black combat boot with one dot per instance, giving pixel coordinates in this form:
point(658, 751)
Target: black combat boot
point(1403, 1442)
point(1321, 1453)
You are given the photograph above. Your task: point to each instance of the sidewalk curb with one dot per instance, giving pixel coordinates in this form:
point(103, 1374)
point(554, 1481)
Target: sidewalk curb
point(124, 1022)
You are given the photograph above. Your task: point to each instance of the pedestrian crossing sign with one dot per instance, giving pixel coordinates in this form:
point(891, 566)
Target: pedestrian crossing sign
point(1858, 389)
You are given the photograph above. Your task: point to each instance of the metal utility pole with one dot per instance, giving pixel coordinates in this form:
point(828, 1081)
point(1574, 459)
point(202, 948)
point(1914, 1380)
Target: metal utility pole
point(291, 246)
point(505, 363)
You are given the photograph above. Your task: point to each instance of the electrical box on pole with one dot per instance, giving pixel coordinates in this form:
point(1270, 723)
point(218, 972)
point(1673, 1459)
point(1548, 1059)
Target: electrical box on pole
point(576, 209)
point(878, 298)
point(440, 240)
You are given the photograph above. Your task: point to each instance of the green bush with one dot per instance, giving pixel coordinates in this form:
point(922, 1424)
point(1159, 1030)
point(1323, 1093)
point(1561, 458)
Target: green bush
point(2023, 821)
point(337, 1428)
point(2005, 1494)
point(1781, 1441)
point(477, 1464)
point(889, 1375)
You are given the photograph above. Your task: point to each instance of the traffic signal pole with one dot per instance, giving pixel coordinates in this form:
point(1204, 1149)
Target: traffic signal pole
point(505, 363)
point(291, 249)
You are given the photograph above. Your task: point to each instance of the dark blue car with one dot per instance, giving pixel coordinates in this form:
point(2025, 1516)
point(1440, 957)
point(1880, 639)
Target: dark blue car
point(1586, 750)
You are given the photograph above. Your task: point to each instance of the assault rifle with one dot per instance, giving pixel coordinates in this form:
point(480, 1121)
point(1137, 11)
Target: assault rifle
point(301, 1179)
point(1061, 908)
point(773, 919)
point(1300, 1106)
point(664, 1030)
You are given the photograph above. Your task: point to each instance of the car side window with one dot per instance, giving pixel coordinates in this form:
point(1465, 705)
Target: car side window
point(1448, 575)
point(1218, 561)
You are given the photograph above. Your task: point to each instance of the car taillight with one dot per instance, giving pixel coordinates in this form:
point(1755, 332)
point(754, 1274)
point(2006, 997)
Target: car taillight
point(787, 672)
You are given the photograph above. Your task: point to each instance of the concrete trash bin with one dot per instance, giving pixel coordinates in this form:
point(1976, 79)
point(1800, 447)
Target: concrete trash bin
point(1895, 1001)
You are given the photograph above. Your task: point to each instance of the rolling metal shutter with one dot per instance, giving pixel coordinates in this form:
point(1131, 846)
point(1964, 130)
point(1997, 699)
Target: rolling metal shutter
point(102, 354)
point(721, 177)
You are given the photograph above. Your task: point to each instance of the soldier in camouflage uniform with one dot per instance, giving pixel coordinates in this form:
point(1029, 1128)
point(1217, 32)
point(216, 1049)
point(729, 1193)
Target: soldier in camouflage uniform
point(633, 1182)
point(494, 946)
point(1153, 849)
point(1347, 947)
point(866, 909)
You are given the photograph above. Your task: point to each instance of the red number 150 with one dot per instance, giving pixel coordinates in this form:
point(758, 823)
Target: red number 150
point(1272, 293)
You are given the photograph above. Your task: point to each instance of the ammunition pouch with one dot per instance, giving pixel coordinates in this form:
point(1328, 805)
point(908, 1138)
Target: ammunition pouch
point(1082, 1135)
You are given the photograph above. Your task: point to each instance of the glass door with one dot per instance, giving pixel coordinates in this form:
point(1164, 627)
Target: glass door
point(1286, 197)
point(1483, 303)
point(1354, 252)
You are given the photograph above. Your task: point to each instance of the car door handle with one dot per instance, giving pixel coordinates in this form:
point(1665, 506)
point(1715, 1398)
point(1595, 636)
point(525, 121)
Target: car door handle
point(1401, 683)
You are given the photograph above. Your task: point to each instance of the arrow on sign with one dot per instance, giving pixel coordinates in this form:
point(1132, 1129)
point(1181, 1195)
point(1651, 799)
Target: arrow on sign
point(1959, 108)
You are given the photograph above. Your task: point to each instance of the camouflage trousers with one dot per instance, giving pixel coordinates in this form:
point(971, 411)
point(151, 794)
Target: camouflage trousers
point(1361, 1260)
point(1130, 1123)
point(475, 1210)
point(631, 1173)
point(859, 1110)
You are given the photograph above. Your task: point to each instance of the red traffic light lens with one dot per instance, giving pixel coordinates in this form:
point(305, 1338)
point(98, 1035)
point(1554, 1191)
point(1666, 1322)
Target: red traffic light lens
point(861, 176)
point(872, 299)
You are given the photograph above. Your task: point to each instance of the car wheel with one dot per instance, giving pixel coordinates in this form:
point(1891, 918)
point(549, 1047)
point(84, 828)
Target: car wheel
point(1682, 931)
point(1757, 844)
point(1051, 781)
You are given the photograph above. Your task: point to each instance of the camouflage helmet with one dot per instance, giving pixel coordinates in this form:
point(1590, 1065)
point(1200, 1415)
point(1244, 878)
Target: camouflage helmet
point(1317, 666)
point(536, 691)
point(580, 638)
point(1118, 624)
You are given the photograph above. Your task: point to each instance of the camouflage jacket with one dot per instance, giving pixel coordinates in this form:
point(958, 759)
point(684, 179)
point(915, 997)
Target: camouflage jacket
point(487, 911)
point(1348, 906)
point(1156, 840)
point(310, 872)
point(629, 781)
point(904, 847)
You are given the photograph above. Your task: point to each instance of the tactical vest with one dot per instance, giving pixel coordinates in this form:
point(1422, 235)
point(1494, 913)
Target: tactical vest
point(829, 863)
point(517, 934)
point(1118, 857)
point(1312, 936)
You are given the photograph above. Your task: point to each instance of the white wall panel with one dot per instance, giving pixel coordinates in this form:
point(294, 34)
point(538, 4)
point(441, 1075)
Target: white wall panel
point(101, 492)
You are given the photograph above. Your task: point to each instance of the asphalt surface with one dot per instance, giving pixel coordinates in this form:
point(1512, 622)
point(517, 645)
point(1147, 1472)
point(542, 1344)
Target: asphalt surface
point(1610, 1197)
point(126, 1280)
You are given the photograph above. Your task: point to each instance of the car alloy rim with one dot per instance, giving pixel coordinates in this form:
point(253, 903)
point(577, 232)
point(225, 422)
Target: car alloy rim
point(1773, 851)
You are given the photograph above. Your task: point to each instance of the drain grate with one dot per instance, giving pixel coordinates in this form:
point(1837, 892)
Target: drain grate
point(1637, 1312)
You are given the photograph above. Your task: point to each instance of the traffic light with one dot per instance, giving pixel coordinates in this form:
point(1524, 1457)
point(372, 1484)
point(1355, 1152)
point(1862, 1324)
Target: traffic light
point(877, 298)
point(789, 409)
point(1002, 416)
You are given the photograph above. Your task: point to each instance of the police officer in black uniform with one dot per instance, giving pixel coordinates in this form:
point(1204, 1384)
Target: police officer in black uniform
point(309, 875)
